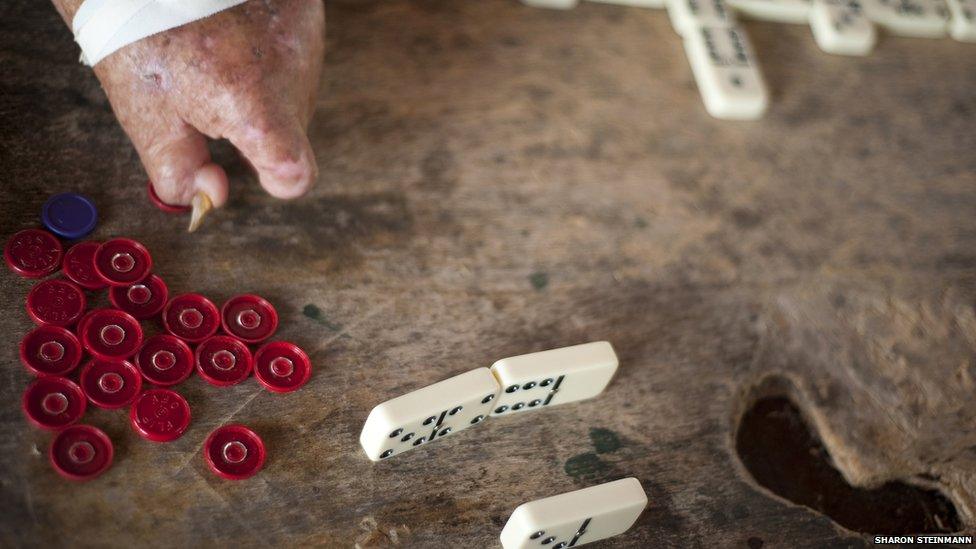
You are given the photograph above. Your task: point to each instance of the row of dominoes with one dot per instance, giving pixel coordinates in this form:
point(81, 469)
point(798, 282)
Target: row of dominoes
point(722, 59)
point(514, 385)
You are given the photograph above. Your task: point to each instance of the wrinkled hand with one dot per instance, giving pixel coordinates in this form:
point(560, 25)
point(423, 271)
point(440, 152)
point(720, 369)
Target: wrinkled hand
point(248, 74)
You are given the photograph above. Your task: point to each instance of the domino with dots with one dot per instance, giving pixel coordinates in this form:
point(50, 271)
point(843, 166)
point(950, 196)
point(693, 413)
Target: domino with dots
point(840, 27)
point(575, 518)
point(776, 11)
point(728, 77)
point(962, 22)
point(912, 18)
point(688, 15)
point(428, 414)
point(558, 376)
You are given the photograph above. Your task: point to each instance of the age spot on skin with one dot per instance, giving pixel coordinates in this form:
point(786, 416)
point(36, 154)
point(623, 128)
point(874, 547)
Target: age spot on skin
point(153, 78)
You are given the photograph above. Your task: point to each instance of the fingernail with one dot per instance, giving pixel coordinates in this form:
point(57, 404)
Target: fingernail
point(201, 205)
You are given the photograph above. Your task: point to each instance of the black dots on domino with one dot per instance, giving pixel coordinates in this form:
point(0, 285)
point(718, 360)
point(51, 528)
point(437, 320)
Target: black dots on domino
point(407, 437)
point(537, 535)
point(455, 410)
point(444, 431)
point(548, 540)
point(535, 403)
point(518, 406)
point(430, 420)
point(419, 441)
point(501, 409)
point(560, 545)
point(488, 399)
point(478, 419)
point(529, 385)
point(386, 454)
point(396, 433)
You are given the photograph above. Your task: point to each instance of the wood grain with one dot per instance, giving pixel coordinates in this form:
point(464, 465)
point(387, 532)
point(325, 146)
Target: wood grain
point(499, 180)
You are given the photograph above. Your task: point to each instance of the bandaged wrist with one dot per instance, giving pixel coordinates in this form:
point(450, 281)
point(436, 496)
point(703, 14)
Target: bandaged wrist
point(103, 26)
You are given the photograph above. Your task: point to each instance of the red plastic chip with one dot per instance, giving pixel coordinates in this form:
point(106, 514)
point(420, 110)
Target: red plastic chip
point(165, 360)
point(50, 351)
point(33, 253)
point(160, 415)
point(191, 317)
point(81, 452)
point(109, 333)
point(281, 366)
point(234, 452)
point(110, 383)
point(223, 360)
point(143, 299)
point(249, 317)
point(158, 202)
point(57, 301)
point(53, 402)
point(122, 262)
point(79, 265)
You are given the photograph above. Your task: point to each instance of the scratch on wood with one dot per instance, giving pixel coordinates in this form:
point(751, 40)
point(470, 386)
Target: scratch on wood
point(376, 535)
point(377, 310)
point(223, 421)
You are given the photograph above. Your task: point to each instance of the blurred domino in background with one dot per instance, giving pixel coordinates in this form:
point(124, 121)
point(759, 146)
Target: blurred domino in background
point(962, 23)
point(688, 15)
point(777, 11)
point(840, 26)
point(913, 18)
point(727, 74)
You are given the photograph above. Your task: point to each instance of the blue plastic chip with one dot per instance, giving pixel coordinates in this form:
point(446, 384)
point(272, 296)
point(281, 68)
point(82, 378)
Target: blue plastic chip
point(69, 215)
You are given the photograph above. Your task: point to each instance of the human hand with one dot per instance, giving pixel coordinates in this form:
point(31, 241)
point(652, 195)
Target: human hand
point(248, 74)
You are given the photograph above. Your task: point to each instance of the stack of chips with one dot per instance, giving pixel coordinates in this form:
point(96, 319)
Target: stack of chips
point(115, 358)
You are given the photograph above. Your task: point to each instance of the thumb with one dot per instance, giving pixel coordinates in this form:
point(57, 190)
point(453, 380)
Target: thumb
point(280, 154)
point(179, 165)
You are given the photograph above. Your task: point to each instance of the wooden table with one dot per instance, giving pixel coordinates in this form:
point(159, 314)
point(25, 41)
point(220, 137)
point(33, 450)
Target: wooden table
point(499, 180)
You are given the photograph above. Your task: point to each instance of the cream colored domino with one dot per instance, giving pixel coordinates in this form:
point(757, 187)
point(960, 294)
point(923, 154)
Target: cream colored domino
point(777, 11)
point(914, 18)
point(536, 380)
point(962, 22)
point(726, 72)
point(687, 15)
point(840, 26)
point(428, 414)
point(575, 518)
point(552, 4)
point(654, 4)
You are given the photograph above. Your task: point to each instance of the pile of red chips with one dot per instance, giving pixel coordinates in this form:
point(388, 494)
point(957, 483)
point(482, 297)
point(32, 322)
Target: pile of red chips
point(119, 360)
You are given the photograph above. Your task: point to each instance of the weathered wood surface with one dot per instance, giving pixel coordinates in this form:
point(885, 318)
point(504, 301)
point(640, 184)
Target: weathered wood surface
point(498, 180)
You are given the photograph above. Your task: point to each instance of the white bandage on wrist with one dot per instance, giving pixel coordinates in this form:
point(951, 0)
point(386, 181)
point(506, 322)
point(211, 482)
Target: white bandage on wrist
point(103, 26)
